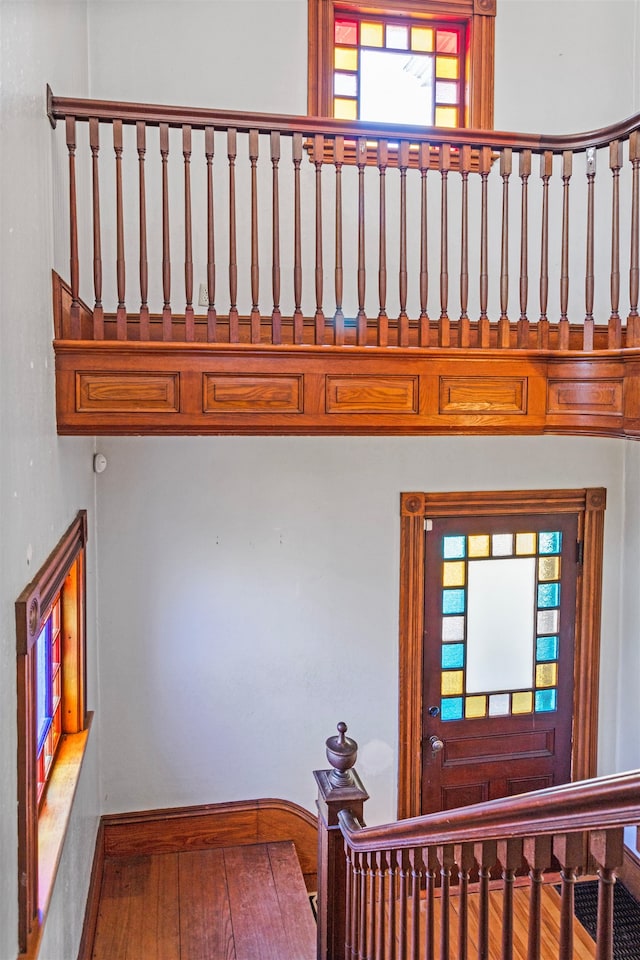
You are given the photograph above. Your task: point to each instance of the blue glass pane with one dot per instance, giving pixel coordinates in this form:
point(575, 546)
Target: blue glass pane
point(451, 708)
point(453, 601)
point(452, 656)
point(454, 548)
point(43, 685)
point(546, 649)
point(548, 595)
point(546, 700)
point(550, 542)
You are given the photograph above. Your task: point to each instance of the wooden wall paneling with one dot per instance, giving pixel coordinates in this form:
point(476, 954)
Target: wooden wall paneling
point(93, 898)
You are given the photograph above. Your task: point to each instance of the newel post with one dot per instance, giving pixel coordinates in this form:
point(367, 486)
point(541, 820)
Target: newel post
point(338, 789)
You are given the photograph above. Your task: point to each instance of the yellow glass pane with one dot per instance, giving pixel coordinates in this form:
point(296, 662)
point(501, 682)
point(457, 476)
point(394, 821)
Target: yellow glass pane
point(345, 58)
point(479, 545)
point(546, 675)
point(422, 39)
point(475, 707)
point(345, 109)
point(371, 35)
point(447, 68)
point(451, 682)
point(446, 117)
point(453, 574)
point(522, 702)
point(549, 568)
point(525, 543)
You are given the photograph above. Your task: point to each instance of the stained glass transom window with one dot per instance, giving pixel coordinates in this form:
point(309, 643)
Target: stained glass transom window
point(522, 565)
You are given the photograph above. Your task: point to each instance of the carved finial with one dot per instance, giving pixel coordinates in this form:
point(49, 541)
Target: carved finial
point(341, 753)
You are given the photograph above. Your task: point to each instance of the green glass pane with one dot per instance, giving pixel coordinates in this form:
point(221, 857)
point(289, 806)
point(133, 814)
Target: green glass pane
point(546, 649)
point(451, 708)
point(550, 542)
point(453, 548)
point(453, 601)
point(452, 656)
point(546, 700)
point(548, 595)
point(452, 629)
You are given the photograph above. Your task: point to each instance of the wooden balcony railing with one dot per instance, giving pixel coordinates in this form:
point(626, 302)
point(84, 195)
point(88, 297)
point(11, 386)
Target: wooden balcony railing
point(438, 885)
point(259, 236)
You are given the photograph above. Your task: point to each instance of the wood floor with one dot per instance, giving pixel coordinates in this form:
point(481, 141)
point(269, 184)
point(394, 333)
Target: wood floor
point(236, 903)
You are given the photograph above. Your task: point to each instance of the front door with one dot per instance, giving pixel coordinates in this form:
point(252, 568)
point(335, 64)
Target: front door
point(498, 656)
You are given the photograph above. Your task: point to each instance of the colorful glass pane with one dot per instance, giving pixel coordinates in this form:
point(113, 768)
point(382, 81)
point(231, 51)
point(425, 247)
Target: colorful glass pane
point(344, 59)
point(446, 117)
point(549, 568)
point(397, 37)
point(453, 573)
point(371, 35)
point(346, 32)
point(446, 91)
point(479, 545)
point(475, 707)
point(522, 702)
point(452, 601)
point(548, 594)
point(451, 683)
point(422, 39)
point(345, 84)
point(499, 705)
point(43, 694)
point(453, 548)
point(550, 542)
point(452, 656)
point(525, 544)
point(345, 109)
point(546, 700)
point(547, 621)
point(447, 41)
point(546, 649)
point(447, 68)
point(452, 629)
point(546, 674)
point(451, 708)
point(502, 544)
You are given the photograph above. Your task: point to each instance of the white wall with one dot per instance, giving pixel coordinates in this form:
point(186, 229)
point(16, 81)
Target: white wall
point(44, 479)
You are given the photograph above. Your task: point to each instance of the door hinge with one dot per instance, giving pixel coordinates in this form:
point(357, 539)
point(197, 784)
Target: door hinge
point(428, 525)
point(580, 552)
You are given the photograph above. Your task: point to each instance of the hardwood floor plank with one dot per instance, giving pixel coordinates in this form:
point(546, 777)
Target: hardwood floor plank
point(297, 917)
point(205, 917)
point(258, 928)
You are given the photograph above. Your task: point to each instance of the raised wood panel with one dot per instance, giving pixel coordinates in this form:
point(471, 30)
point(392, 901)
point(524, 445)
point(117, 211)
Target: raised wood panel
point(473, 395)
point(125, 392)
point(464, 796)
point(516, 785)
point(371, 394)
point(539, 743)
point(252, 394)
point(595, 397)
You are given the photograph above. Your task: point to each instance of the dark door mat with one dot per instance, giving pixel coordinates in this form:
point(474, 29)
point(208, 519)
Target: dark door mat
point(626, 917)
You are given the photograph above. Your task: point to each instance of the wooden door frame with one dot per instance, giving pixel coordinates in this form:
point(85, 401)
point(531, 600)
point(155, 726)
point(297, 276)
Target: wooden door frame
point(589, 504)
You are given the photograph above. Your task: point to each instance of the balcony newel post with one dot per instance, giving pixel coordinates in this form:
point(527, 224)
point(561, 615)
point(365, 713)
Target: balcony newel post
point(338, 789)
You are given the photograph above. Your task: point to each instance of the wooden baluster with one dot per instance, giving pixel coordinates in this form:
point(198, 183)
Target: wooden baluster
point(464, 333)
point(141, 144)
point(355, 924)
point(446, 858)
point(444, 326)
point(503, 323)
point(587, 332)
point(614, 338)
point(392, 888)
point(276, 316)
point(406, 864)
point(510, 857)
point(212, 317)
point(465, 859)
point(298, 320)
point(607, 847)
point(234, 321)
point(403, 319)
point(121, 312)
point(361, 161)
point(318, 159)
point(372, 920)
point(383, 320)
point(255, 267)
point(380, 901)
point(569, 850)
point(486, 855)
point(74, 263)
point(546, 169)
point(189, 320)
point(523, 322)
point(537, 852)
point(484, 328)
point(362, 923)
point(417, 872)
point(167, 333)
point(98, 311)
point(338, 318)
point(633, 321)
point(563, 326)
point(348, 913)
point(423, 164)
point(430, 856)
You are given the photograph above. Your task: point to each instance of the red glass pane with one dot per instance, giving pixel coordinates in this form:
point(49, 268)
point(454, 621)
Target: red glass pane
point(346, 32)
point(447, 41)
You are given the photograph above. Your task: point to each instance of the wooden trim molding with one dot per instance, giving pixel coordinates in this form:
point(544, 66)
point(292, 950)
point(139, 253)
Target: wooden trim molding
point(589, 504)
point(629, 872)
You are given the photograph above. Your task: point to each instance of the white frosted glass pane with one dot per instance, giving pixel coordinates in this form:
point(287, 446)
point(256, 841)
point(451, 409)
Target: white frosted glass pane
point(499, 705)
point(502, 545)
point(396, 87)
point(548, 621)
point(501, 597)
point(452, 628)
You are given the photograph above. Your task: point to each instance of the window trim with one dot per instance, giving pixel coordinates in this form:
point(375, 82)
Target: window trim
point(63, 573)
point(480, 15)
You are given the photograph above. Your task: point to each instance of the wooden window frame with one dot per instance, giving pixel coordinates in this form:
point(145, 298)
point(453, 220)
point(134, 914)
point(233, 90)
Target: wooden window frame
point(415, 508)
point(479, 14)
point(62, 575)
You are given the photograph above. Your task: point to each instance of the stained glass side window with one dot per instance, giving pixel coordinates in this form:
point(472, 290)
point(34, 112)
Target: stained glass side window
point(498, 567)
point(48, 695)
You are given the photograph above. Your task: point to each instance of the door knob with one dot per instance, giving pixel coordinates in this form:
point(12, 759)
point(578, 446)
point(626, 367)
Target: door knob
point(436, 744)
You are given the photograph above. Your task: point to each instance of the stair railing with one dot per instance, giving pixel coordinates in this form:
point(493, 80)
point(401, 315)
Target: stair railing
point(402, 891)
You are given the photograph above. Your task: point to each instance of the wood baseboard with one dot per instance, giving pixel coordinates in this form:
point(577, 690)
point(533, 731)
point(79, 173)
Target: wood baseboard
point(93, 898)
point(629, 872)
